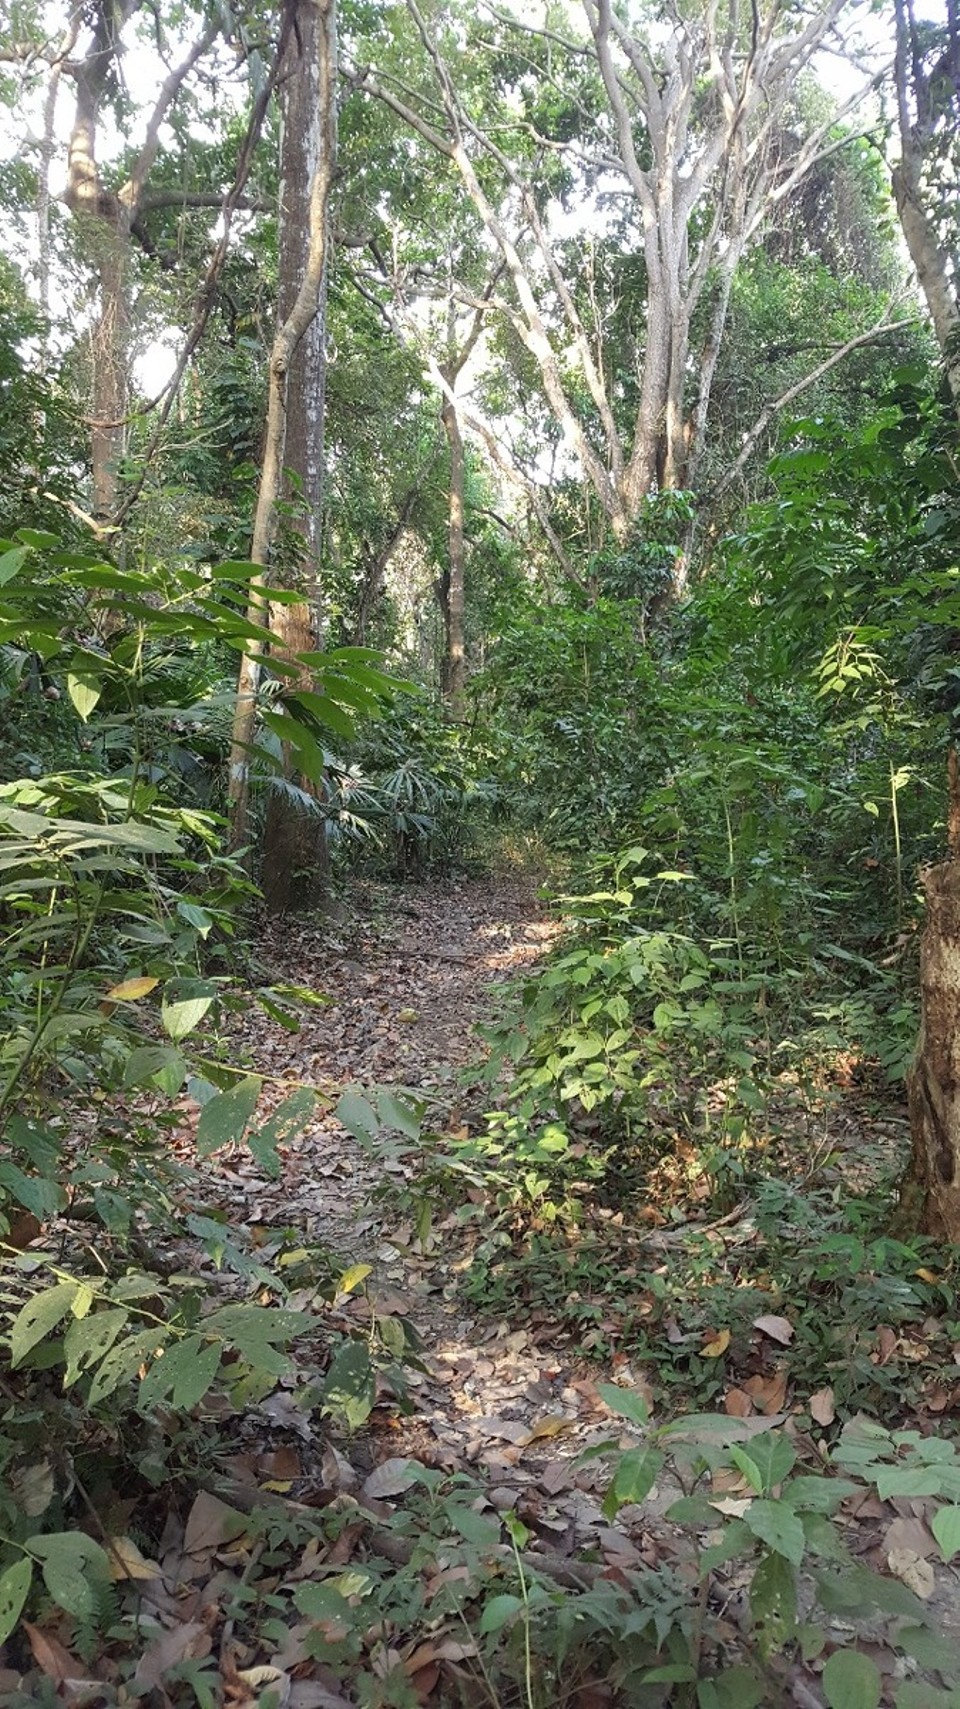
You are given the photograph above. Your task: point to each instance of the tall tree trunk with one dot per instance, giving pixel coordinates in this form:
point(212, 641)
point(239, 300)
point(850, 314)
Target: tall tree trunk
point(931, 1192)
point(453, 584)
point(295, 864)
point(317, 20)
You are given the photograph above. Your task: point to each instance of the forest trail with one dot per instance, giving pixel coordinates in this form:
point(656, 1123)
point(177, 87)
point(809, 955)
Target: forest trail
point(409, 973)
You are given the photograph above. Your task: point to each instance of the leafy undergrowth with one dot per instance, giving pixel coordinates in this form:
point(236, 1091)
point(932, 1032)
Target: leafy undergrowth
point(528, 1445)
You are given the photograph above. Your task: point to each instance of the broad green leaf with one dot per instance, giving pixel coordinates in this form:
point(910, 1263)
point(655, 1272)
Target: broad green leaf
point(84, 691)
point(739, 1688)
point(14, 1584)
point(672, 1673)
point(480, 1529)
point(635, 1477)
point(181, 1375)
point(322, 1602)
point(39, 1316)
point(225, 1119)
point(357, 1116)
point(36, 1193)
point(776, 1524)
point(195, 916)
point(70, 1560)
point(157, 1065)
point(498, 1610)
point(123, 1362)
point(10, 563)
point(349, 1390)
point(772, 1455)
point(773, 1602)
point(88, 1339)
point(288, 1120)
point(945, 1526)
point(908, 1480)
point(851, 1681)
point(402, 1113)
point(624, 1401)
point(180, 1015)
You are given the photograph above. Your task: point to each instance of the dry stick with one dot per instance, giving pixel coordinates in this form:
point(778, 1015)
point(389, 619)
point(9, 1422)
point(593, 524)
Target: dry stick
point(207, 292)
point(288, 336)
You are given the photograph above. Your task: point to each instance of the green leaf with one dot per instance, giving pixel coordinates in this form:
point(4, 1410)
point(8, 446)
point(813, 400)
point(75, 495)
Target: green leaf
point(498, 1611)
point(349, 1389)
point(357, 1116)
point(908, 1480)
point(37, 1194)
point(945, 1526)
point(182, 1374)
point(39, 1316)
point(739, 1688)
point(635, 1477)
point(181, 1014)
point(70, 1559)
point(288, 1120)
point(225, 1119)
point(158, 1065)
point(773, 1602)
point(322, 1602)
point(851, 1681)
point(88, 1339)
point(776, 1524)
point(624, 1401)
point(10, 563)
point(15, 1582)
point(402, 1113)
point(772, 1455)
point(123, 1361)
point(84, 691)
point(480, 1529)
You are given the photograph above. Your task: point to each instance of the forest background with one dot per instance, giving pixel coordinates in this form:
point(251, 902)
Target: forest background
point(442, 440)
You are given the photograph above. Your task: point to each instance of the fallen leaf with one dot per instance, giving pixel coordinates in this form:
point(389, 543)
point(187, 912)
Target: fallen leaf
point(778, 1328)
point(768, 1393)
point(211, 1524)
point(126, 1561)
point(392, 1477)
point(554, 1424)
point(910, 1534)
point(50, 1655)
point(716, 1345)
point(737, 1403)
point(913, 1571)
point(822, 1407)
point(190, 1641)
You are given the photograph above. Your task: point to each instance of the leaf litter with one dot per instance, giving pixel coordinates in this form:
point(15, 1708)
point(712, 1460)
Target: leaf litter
point(407, 976)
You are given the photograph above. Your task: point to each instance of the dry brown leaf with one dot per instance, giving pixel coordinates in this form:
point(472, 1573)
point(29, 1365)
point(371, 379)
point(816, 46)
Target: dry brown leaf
point(50, 1655)
point(778, 1328)
point(544, 1429)
point(822, 1407)
point(768, 1393)
point(909, 1532)
point(392, 1477)
point(737, 1403)
point(913, 1571)
point(191, 1641)
point(126, 1561)
point(211, 1524)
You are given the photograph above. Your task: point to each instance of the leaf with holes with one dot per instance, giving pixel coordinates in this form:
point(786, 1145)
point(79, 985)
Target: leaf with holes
point(225, 1119)
point(39, 1316)
point(14, 1590)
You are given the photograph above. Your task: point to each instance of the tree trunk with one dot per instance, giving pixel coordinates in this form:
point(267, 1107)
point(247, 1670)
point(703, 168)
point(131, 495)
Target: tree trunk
point(295, 863)
point(453, 585)
point(931, 1193)
point(317, 24)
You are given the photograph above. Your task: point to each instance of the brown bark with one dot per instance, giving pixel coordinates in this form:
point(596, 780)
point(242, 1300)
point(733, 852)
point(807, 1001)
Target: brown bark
point(307, 202)
point(917, 132)
point(931, 1193)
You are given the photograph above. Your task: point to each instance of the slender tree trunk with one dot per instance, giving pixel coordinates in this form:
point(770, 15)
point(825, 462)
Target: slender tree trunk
point(453, 585)
point(931, 1192)
point(320, 19)
point(295, 863)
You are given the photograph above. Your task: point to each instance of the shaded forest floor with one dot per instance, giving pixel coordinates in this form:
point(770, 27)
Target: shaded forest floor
point(485, 1427)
